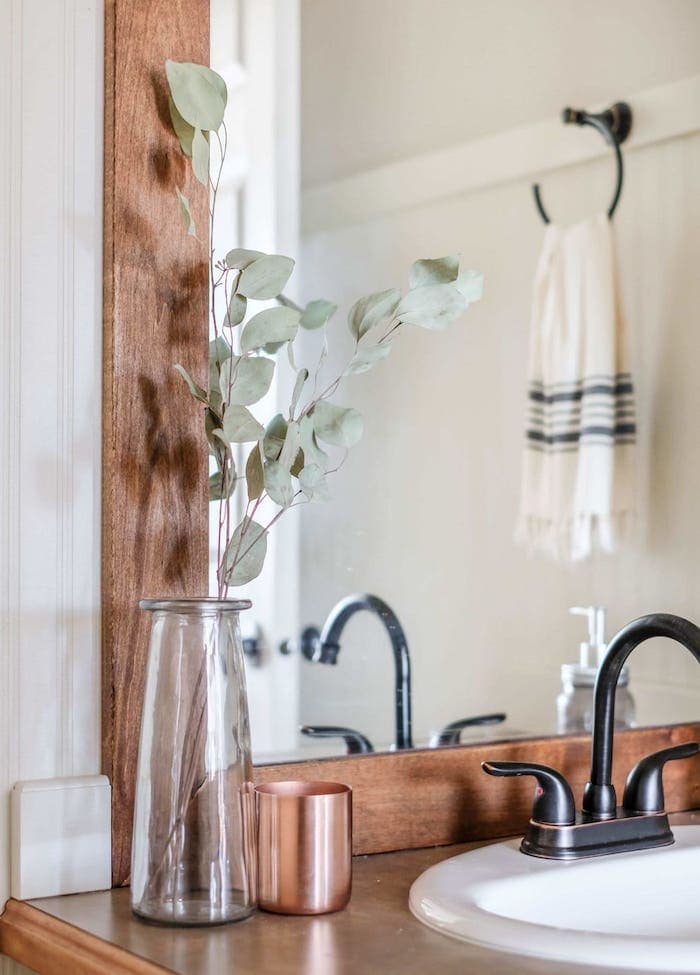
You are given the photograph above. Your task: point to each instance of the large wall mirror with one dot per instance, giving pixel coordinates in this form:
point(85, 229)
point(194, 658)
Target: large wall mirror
point(363, 141)
point(420, 135)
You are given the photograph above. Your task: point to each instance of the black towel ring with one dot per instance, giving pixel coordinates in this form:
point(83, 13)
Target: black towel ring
point(614, 125)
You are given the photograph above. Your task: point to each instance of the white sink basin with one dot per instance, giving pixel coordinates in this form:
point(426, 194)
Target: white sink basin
point(631, 910)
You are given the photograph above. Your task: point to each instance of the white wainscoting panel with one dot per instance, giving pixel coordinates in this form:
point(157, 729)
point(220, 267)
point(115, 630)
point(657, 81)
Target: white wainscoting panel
point(50, 414)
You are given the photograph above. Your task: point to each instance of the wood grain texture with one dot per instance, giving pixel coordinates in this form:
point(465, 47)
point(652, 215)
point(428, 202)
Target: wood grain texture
point(53, 947)
point(435, 797)
point(154, 495)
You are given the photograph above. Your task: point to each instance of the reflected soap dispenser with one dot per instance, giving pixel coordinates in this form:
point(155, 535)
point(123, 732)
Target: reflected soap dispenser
point(575, 702)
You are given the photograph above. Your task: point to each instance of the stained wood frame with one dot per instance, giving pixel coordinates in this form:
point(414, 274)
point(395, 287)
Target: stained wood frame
point(155, 518)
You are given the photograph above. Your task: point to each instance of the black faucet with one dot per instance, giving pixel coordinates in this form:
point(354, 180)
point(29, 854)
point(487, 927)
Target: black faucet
point(355, 742)
point(556, 830)
point(451, 733)
point(324, 646)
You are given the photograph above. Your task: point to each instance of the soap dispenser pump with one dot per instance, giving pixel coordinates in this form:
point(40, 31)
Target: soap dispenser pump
point(575, 702)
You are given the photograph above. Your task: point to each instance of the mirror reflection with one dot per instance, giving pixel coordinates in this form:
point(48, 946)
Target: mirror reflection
point(527, 480)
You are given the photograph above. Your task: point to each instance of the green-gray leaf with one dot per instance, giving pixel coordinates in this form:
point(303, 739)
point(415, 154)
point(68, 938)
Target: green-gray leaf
point(317, 313)
point(365, 359)
point(240, 426)
point(302, 376)
point(312, 482)
point(337, 425)
point(245, 380)
point(433, 306)
point(185, 215)
point(193, 387)
point(271, 325)
point(236, 309)
point(275, 435)
point(313, 455)
point(219, 352)
point(200, 157)
point(440, 270)
point(291, 446)
point(183, 130)
point(471, 284)
point(245, 553)
point(217, 490)
point(368, 312)
point(254, 474)
point(212, 423)
point(278, 483)
point(239, 257)
point(198, 92)
point(265, 277)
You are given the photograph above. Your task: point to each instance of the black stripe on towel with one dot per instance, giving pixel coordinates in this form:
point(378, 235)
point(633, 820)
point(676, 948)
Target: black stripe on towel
point(576, 436)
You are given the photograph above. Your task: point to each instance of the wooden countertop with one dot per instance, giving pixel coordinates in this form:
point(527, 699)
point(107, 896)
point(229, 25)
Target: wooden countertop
point(89, 934)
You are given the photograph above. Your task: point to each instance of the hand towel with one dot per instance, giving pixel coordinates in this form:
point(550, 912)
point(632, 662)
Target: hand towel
point(578, 489)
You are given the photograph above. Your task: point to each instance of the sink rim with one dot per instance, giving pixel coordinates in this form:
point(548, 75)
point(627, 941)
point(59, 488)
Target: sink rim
point(446, 898)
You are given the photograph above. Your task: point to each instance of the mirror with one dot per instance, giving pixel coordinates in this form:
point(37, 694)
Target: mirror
point(422, 129)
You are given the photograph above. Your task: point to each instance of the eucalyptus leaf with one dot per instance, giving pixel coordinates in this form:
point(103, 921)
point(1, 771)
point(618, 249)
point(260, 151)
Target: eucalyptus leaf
point(313, 455)
point(239, 257)
point(298, 464)
point(368, 312)
point(302, 376)
point(265, 277)
point(337, 425)
point(240, 426)
point(471, 284)
point(254, 473)
point(432, 306)
point(440, 270)
point(182, 129)
point(271, 325)
point(193, 387)
point(185, 215)
point(312, 481)
point(317, 313)
point(245, 554)
point(365, 359)
point(198, 92)
point(278, 483)
point(200, 157)
point(219, 352)
point(218, 491)
point(245, 380)
point(211, 423)
point(275, 435)
point(290, 447)
point(236, 310)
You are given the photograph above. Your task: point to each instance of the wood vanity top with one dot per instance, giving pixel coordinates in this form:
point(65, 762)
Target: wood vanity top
point(94, 934)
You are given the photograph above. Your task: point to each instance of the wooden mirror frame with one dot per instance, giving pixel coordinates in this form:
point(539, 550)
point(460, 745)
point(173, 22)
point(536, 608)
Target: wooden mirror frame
point(154, 495)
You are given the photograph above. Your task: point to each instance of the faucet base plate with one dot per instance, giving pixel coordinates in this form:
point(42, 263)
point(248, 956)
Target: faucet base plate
point(592, 838)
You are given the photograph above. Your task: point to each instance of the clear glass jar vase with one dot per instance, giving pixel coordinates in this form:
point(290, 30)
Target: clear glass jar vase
point(193, 856)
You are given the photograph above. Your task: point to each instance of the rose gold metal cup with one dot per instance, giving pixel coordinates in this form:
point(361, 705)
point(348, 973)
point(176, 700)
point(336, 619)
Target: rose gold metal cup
point(304, 847)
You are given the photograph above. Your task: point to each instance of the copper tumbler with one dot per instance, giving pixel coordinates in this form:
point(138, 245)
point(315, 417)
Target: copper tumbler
point(304, 847)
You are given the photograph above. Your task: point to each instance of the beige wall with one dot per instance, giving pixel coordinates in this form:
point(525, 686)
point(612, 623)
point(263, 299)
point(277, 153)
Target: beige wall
point(387, 79)
point(425, 508)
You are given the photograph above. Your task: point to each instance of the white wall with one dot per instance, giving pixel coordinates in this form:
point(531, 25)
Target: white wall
point(425, 508)
point(50, 362)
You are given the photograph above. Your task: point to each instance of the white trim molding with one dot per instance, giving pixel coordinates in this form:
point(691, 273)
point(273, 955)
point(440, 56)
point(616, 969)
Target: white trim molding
point(662, 113)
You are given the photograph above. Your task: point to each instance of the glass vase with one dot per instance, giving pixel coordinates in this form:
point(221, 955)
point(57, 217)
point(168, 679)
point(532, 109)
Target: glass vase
point(193, 855)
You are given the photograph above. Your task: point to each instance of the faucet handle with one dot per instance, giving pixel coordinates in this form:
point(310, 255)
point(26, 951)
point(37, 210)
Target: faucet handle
point(450, 734)
point(644, 789)
point(355, 742)
point(554, 801)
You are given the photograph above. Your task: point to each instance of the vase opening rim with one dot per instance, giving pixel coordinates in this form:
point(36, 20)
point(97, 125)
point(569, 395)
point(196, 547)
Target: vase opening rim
point(194, 604)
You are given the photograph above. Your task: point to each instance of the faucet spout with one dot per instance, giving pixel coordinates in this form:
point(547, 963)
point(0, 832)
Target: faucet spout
point(599, 800)
point(330, 646)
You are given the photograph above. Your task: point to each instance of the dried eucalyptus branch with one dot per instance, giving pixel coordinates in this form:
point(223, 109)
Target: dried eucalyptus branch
point(285, 465)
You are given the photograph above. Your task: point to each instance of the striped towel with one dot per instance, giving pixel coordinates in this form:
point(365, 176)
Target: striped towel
point(578, 479)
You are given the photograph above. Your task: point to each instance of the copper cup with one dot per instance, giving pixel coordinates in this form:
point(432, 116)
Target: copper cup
point(304, 847)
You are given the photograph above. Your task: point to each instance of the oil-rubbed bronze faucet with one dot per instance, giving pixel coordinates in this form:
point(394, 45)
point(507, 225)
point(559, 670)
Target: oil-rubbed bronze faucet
point(556, 831)
point(324, 646)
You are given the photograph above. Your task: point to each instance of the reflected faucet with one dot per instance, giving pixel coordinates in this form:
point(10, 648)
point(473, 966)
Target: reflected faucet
point(324, 646)
point(556, 831)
